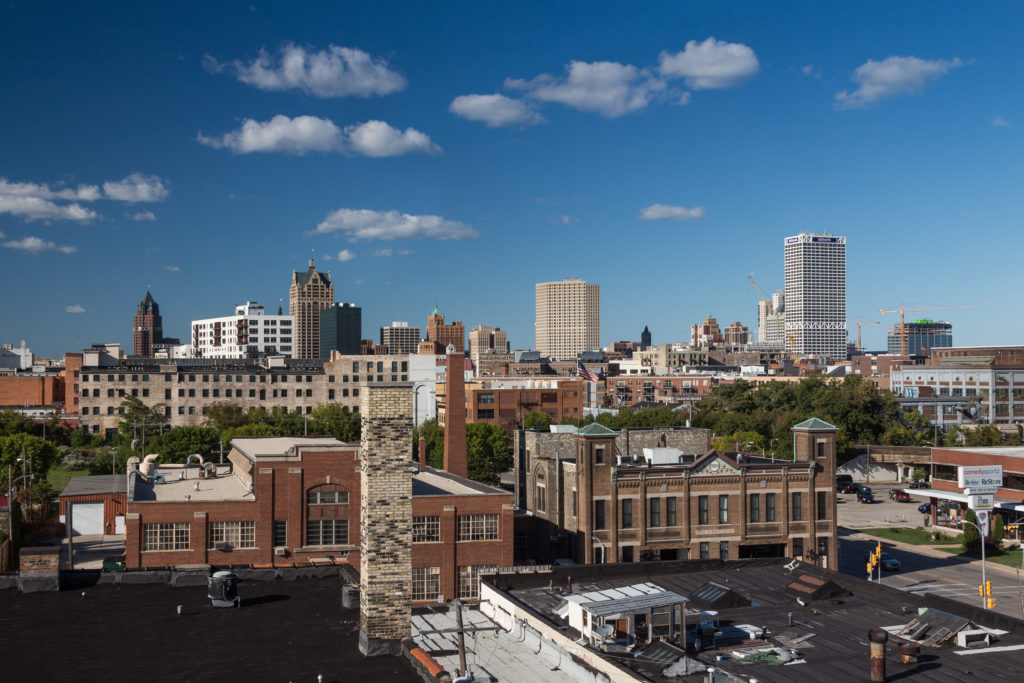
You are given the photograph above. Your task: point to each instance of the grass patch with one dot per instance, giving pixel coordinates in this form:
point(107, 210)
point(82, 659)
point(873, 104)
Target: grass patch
point(911, 536)
point(1009, 558)
point(59, 477)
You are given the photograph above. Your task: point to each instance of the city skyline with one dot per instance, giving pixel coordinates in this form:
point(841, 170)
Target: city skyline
point(661, 152)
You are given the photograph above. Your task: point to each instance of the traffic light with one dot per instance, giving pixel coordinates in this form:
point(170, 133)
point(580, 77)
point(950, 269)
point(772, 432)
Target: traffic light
point(991, 603)
point(981, 591)
point(870, 567)
point(988, 588)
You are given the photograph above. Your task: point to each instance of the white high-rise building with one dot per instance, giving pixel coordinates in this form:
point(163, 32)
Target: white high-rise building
point(769, 330)
point(249, 333)
point(816, 294)
point(568, 318)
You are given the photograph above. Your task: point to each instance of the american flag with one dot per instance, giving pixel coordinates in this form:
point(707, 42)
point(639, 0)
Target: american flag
point(585, 372)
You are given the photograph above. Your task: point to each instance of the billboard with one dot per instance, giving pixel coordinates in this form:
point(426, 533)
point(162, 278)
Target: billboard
point(977, 476)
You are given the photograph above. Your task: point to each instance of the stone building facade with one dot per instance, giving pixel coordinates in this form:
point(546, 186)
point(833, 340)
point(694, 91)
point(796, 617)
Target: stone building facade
point(442, 335)
point(599, 504)
point(311, 291)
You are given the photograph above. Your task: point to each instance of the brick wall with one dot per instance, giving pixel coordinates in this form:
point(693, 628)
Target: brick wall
point(33, 390)
point(40, 560)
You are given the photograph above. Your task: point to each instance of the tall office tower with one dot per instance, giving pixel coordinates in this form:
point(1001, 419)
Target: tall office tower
point(341, 330)
point(148, 326)
point(645, 338)
point(400, 338)
point(249, 333)
point(922, 336)
point(310, 292)
point(568, 318)
point(442, 335)
point(706, 333)
point(484, 340)
point(769, 330)
point(816, 294)
point(737, 334)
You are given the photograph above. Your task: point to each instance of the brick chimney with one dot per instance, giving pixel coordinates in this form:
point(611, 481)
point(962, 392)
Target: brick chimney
point(455, 416)
point(385, 518)
point(423, 453)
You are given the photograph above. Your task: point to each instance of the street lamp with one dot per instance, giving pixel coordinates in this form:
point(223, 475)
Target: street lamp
point(981, 537)
point(10, 489)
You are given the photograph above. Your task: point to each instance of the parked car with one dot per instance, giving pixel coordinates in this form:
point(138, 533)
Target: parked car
point(844, 482)
point(902, 497)
point(865, 496)
point(861, 487)
point(920, 485)
point(892, 493)
point(887, 562)
point(925, 509)
point(846, 488)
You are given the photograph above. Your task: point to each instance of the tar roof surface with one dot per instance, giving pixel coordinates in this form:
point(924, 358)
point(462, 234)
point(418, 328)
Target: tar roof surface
point(838, 649)
point(284, 631)
point(96, 484)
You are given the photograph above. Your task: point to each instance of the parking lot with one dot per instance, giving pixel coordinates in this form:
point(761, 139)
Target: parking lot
point(883, 512)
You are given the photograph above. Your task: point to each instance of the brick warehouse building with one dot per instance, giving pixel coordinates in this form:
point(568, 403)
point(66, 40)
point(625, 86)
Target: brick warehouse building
point(285, 501)
point(609, 506)
point(506, 401)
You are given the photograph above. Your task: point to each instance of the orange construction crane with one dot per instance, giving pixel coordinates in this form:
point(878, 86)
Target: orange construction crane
point(782, 325)
point(858, 323)
point(903, 328)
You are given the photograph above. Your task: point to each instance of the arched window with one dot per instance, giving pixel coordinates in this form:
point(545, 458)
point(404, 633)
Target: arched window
point(327, 512)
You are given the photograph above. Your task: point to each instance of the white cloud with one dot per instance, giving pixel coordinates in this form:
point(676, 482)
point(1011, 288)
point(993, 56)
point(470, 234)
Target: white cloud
point(142, 216)
point(406, 252)
point(312, 134)
point(494, 110)
point(342, 256)
point(137, 187)
point(378, 139)
point(173, 269)
point(710, 65)
point(891, 77)
point(35, 245)
point(666, 212)
point(999, 121)
point(334, 72)
point(565, 219)
point(85, 193)
point(365, 224)
point(37, 208)
point(74, 309)
point(382, 253)
point(608, 88)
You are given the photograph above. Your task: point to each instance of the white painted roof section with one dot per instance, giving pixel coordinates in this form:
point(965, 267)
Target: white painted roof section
point(277, 446)
point(1007, 451)
point(628, 599)
point(445, 484)
point(180, 486)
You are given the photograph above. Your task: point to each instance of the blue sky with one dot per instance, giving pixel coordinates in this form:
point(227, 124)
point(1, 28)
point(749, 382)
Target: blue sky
point(461, 152)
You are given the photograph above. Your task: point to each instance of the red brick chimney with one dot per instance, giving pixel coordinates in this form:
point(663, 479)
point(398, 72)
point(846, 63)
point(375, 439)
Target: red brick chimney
point(423, 453)
point(455, 416)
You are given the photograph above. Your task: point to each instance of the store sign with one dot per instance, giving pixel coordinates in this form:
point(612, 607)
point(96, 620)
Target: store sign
point(984, 475)
point(983, 519)
point(981, 502)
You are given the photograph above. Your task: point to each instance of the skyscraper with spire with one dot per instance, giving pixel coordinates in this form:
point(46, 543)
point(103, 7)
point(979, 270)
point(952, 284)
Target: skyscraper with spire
point(147, 327)
point(311, 292)
point(442, 335)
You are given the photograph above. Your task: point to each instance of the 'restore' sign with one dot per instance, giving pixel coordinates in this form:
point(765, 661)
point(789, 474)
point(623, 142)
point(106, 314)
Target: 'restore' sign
point(976, 476)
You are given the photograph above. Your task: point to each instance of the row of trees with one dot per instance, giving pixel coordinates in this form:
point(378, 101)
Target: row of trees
point(487, 449)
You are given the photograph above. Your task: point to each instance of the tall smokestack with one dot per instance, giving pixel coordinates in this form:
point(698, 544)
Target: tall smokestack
point(423, 453)
point(878, 638)
point(455, 416)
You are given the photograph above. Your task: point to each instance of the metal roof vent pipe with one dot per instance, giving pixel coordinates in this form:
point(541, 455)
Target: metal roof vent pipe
point(909, 652)
point(878, 638)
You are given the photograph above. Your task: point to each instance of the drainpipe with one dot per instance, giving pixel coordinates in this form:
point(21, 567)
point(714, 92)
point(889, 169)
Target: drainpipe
point(878, 638)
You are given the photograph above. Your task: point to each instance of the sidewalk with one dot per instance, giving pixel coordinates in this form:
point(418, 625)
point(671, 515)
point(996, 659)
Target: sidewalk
point(930, 551)
point(91, 550)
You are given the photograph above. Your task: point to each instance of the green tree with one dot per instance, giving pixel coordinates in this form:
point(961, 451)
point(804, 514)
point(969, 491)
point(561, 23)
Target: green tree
point(537, 419)
point(110, 459)
point(743, 441)
point(139, 421)
point(12, 422)
point(252, 429)
point(223, 416)
point(986, 435)
point(41, 454)
point(176, 444)
point(998, 530)
point(434, 437)
point(335, 420)
point(487, 452)
point(969, 541)
point(81, 438)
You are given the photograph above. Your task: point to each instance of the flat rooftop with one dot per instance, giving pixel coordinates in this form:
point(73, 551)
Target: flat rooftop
point(432, 482)
point(1005, 451)
point(135, 632)
point(95, 485)
point(829, 634)
point(181, 484)
point(284, 447)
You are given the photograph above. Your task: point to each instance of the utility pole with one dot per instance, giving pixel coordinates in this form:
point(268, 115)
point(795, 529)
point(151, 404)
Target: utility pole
point(462, 638)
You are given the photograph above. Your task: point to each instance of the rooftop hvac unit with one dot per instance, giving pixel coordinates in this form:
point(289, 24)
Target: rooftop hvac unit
point(280, 552)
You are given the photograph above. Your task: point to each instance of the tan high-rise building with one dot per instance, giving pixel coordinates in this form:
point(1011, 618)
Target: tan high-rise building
point(311, 291)
point(442, 335)
point(568, 318)
point(484, 339)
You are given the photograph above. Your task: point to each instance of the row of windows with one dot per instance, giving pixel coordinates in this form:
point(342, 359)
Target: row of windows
point(111, 410)
point(657, 505)
point(241, 535)
point(274, 378)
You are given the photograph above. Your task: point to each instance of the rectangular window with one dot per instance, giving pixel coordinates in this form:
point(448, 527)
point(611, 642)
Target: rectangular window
point(627, 513)
point(599, 521)
point(330, 394)
point(426, 583)
point(655, 513)
point(797, 506)
point(723, 550)
point(702, 510)
point(575, 503)
point(754, 510)
point(821, 449)
point(426, 529)
point(233, 534)
point(469, 582)
point(541, 498)
point(670, 511)
point(769, 507)
point(280, 531)
point(822, 505)
point(485, 398)
point(478, 527)
point(599, 455)
point(823, 546)
point(327, 532)
point(165, 536)
point(723, 509)
point(798, 547)
point(322, 497)
point(705, 551)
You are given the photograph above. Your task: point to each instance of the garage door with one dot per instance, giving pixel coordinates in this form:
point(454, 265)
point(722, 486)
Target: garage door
point(86, 518)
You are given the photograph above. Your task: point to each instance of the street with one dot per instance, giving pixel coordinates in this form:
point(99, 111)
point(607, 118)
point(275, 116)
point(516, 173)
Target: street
point(924, 570)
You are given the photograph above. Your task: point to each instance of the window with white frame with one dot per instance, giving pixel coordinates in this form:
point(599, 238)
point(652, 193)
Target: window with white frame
point(478, 527)
point(426, 583)
point(469, 582)
point(165, 536)
point(233, 534)
point(426, 529)
point(327, 532)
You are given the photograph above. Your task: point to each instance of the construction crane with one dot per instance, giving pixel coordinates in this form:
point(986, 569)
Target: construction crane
point(782, 326)
point(858, 323)
point(903, 328)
